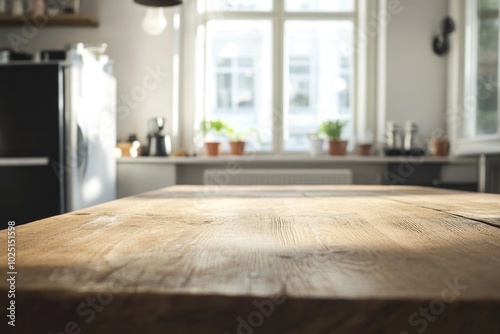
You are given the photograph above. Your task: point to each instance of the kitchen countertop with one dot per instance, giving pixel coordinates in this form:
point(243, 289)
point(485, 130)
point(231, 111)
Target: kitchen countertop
point(294, 259)
point(354, 159)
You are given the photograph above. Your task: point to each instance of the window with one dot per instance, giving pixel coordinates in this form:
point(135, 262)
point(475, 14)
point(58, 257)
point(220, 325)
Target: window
point(487, 68)
point(238, 74)
point(476, 120)
point(482, 74)
point(317, 75)
point(281, 67)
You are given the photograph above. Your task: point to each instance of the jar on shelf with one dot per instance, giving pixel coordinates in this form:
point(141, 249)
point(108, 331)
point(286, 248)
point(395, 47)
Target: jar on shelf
point(52, 8)
point(27, 6)
point(3, 7)
point(38, 7)
point(17, 7)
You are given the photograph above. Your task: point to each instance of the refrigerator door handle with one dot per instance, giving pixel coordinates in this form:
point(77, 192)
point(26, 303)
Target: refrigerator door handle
point(82, 151)
point(23, 162)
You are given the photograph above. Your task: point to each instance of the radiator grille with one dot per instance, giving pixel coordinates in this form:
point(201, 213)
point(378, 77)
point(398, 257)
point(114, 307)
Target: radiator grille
point(277, 177)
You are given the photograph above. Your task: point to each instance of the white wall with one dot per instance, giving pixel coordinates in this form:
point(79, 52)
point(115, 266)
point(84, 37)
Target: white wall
point(416, 77)
point(133, 53)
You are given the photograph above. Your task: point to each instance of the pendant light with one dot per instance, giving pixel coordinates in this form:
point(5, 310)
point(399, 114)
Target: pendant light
point(154, 23)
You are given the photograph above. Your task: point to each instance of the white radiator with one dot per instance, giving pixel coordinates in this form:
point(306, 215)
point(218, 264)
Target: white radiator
point(224, 177)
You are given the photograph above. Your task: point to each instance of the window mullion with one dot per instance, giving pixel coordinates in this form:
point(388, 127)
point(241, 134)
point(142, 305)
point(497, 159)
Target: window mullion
point(320, 16)
point(498, 90)
point(278, 82)
point(474, 39)
point(238, 15)
point(365, 73)
point(234, 85)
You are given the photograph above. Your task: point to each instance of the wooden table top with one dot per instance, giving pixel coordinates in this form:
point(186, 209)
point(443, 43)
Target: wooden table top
point(296, 259)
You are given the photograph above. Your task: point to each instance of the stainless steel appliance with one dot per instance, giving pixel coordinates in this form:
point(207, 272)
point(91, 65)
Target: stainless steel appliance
point(159, 145)
point(57, 136)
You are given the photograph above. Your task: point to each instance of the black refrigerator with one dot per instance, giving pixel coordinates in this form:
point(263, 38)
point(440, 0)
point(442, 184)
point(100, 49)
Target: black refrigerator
point(57, 138)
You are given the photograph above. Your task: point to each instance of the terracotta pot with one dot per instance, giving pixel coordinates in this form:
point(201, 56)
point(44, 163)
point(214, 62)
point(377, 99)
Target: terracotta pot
point(364, 149)
point(439, 147)
point(337, 147)
point(237, 147)
point(212, 148)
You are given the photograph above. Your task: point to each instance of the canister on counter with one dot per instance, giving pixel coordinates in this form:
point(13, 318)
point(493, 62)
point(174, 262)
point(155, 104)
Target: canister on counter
point(3, 7)
point(17, 7)
point(38, 7)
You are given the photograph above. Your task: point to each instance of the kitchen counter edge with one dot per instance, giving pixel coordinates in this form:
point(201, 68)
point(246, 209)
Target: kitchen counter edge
point(250, 159)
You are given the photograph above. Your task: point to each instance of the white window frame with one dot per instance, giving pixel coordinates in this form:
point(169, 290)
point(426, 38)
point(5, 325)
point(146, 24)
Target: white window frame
point(462, 79)
point(368, 104)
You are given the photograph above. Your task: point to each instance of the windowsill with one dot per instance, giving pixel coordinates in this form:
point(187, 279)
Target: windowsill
point(302, 159)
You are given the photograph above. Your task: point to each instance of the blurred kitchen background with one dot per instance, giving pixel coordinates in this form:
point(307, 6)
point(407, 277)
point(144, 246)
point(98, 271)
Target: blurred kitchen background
point(397, 82)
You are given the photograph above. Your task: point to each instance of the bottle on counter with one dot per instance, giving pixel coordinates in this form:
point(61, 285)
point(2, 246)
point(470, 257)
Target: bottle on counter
point(412, 145)
point(410, 135)
point(27, 6)
point(393, 139)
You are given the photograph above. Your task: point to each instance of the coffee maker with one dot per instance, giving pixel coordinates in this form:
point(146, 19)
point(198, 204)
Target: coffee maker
point(159, 145)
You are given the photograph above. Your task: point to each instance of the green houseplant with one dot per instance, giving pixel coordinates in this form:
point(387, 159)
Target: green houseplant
point(238, 139)
point(237, 142)
point(333, 130)
point(209, 128)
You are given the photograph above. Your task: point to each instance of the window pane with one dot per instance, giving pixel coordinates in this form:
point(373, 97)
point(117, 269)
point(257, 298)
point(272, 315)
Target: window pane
point(224, 91)
point(318, 78)
point(487, 70)
point(239, 76)
point(320, 5)
point(239, 5)
point(488, 4)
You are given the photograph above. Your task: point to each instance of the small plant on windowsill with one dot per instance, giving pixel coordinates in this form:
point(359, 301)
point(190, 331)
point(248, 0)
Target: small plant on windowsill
point(211, 130)
point(239, 138)
point(365, 143)
point(333, 130)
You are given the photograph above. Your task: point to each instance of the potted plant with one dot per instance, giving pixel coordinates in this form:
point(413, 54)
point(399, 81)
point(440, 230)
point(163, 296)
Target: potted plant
point(316, 144)
point(365, 144)
point(238, 139)
point(333, 130)
point(216, 127)
point(236, 143)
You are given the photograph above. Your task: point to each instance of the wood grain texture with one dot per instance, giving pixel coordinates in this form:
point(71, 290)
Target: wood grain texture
point(483, 207)
point(322, 259)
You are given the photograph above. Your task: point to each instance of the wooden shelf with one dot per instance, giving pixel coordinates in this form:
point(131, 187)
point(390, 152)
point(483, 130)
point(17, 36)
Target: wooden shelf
point(66, 20)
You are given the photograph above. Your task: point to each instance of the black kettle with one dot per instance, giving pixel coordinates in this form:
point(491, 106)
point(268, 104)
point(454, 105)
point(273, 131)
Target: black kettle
point(159, 145)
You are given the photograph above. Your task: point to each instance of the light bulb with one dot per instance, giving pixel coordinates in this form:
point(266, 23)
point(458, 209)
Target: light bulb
point(154, 22)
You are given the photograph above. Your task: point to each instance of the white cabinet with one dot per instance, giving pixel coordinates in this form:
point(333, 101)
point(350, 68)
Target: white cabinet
point(139, 177)
point(142, 174)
